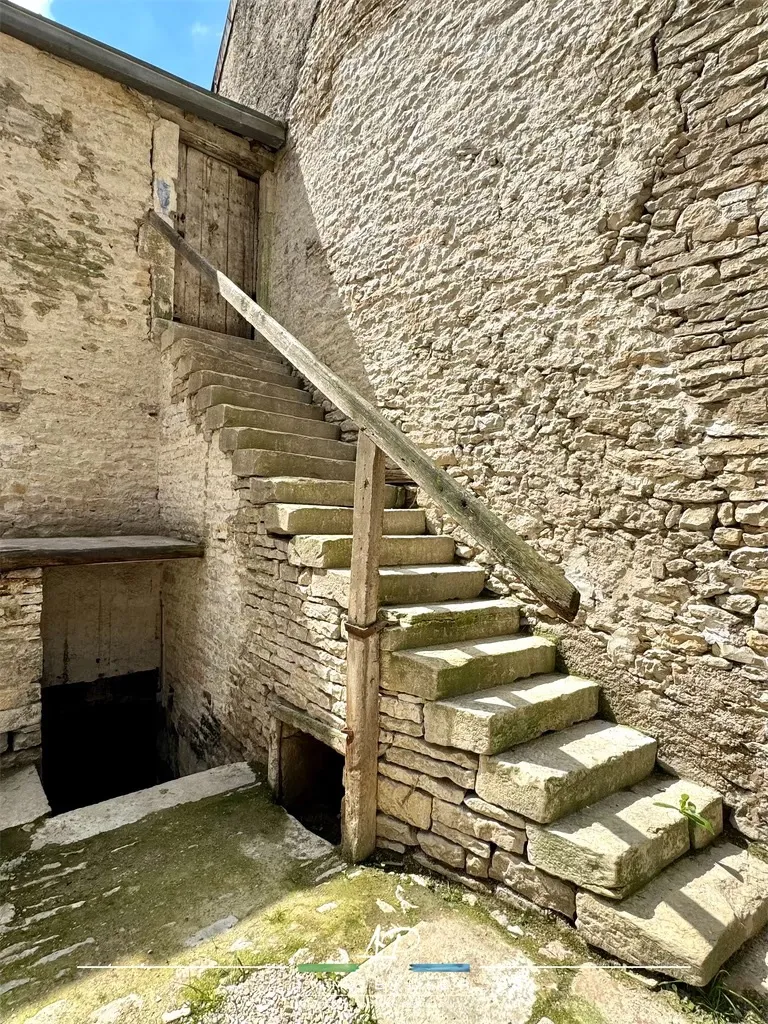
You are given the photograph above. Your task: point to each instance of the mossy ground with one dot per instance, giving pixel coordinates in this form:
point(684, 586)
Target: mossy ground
point(135, 897)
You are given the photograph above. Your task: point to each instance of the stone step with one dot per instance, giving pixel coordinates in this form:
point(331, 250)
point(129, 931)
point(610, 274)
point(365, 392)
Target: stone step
point(222, 342)
point(290, 520)
point(213, 395)
point(261, 462)
point(251, 359)
point(689, 920)
point(255, 371)
point(220, 416)
point(335, 551)
point(446, 671)
point(619, 844)
point(242, 438)
point(427, 625)
point(247, 385)
point(493, 720)
point(407, 585)
point(562, 772)
point(295, 491)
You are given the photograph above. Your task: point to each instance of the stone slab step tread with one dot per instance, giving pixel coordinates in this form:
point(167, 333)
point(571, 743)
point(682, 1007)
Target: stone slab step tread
point(450, 670)
point(428, 625)
point(251, 385)
point(689, 920)
point(408, 584)
point(335, 551)
point(561, 772)
point(194, 363)
point(297, 490)
point(244, 438)
point(617, 845)
point(219, 416)
point(296, 519)
point(492, 720)
point(261, 400)
point(254, 358)
point(215, 338)
point(261, 462)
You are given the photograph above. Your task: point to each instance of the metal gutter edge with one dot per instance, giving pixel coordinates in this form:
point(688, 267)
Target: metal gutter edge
point(79, 49)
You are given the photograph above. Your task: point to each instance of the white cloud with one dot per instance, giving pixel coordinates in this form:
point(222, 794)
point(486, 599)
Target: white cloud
point(37, 6)
point(198, 29)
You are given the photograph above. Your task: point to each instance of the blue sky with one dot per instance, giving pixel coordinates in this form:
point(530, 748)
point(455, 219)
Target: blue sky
point(181, 36)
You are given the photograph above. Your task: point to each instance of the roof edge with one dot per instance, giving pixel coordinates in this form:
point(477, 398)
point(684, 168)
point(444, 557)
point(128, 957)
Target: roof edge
point(63, 42)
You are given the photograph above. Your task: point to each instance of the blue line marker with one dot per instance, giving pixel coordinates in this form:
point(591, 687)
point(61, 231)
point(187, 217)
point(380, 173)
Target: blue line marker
point(434, 968)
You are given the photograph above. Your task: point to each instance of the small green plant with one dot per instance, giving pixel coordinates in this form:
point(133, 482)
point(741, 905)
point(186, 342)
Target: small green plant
point(689, 810)
point(722, 1003)
point(203, 995)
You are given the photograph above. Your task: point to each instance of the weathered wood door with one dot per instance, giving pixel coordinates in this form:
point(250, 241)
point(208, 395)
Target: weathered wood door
point(217, 214)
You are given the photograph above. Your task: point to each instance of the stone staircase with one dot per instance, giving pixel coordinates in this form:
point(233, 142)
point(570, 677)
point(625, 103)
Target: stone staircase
point(494, 767)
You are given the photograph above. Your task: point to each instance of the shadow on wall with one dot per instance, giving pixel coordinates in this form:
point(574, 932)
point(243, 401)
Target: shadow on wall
point(298, 275)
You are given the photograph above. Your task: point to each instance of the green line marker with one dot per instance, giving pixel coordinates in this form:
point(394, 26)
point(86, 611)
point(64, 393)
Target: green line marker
point(328, 968)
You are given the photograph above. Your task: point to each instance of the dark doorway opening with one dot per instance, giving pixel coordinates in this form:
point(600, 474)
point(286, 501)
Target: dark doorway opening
point(312, 783)
point(101, 739)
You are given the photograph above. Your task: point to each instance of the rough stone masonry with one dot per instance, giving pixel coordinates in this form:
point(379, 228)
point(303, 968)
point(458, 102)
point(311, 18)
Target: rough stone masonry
point(537, 235)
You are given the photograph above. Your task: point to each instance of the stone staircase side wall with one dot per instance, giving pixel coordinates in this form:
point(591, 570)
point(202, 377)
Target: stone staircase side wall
point(239, 625)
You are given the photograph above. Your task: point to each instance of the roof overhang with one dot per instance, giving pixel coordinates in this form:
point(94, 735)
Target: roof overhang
point(89, 53)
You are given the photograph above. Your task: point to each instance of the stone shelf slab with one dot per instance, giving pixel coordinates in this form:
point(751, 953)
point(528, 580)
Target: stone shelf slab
point(33, 552)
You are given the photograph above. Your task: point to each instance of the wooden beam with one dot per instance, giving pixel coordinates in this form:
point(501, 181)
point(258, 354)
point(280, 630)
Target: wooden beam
point(360, 768)
point(33, 552)
point(288, 715)
point(466, 509)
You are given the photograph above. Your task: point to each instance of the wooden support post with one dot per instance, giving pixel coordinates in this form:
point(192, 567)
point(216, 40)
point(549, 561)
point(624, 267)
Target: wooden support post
point(360, 769)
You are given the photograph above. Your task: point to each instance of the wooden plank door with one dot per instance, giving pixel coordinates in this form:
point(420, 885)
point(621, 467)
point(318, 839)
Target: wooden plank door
point(217, 214)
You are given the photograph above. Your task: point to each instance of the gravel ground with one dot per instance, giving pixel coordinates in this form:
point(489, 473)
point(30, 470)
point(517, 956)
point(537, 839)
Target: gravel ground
point(275, 996)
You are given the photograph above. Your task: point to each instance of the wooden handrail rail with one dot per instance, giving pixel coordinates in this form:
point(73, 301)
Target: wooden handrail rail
point(468, 511)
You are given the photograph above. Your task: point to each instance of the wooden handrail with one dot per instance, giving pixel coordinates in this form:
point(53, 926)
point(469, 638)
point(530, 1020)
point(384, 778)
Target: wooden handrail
point(545, 580)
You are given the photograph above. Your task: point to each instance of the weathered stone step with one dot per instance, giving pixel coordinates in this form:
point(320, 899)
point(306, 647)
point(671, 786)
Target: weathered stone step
point(247, 385)
point(212, 354)
point(22, 798)
point(296, 491)
point(431, 624)
point(242, 438)
point(493, 720)
point(407, 585)
point(689, 920)
point(618, 844)
point(213, 395)
point(220, 416)
point(565, 771)
point(260, 462)
point(222, 342)
point(445, 671)
point(291, 519)
point(335, 551)
point(262, 372)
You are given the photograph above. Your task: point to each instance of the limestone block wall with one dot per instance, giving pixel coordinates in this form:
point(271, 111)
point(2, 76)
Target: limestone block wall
point(78, 370)
point(21, 666)
point(240, 626)
point(538, 237)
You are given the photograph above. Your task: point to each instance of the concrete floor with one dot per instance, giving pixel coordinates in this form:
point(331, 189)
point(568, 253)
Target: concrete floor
point(143, 921)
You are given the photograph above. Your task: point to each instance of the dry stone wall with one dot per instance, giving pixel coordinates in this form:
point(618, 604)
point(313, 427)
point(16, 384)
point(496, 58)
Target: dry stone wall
point(78, 371)
point(21, 666)
point(538, 237)
point(241, 626)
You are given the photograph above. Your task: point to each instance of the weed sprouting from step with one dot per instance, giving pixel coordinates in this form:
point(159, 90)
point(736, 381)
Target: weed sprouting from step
point(724, 1005)
point(689, 810)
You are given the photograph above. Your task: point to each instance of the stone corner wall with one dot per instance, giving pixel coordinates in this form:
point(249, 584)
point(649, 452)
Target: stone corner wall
point(544, 250)
point(21, 666)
